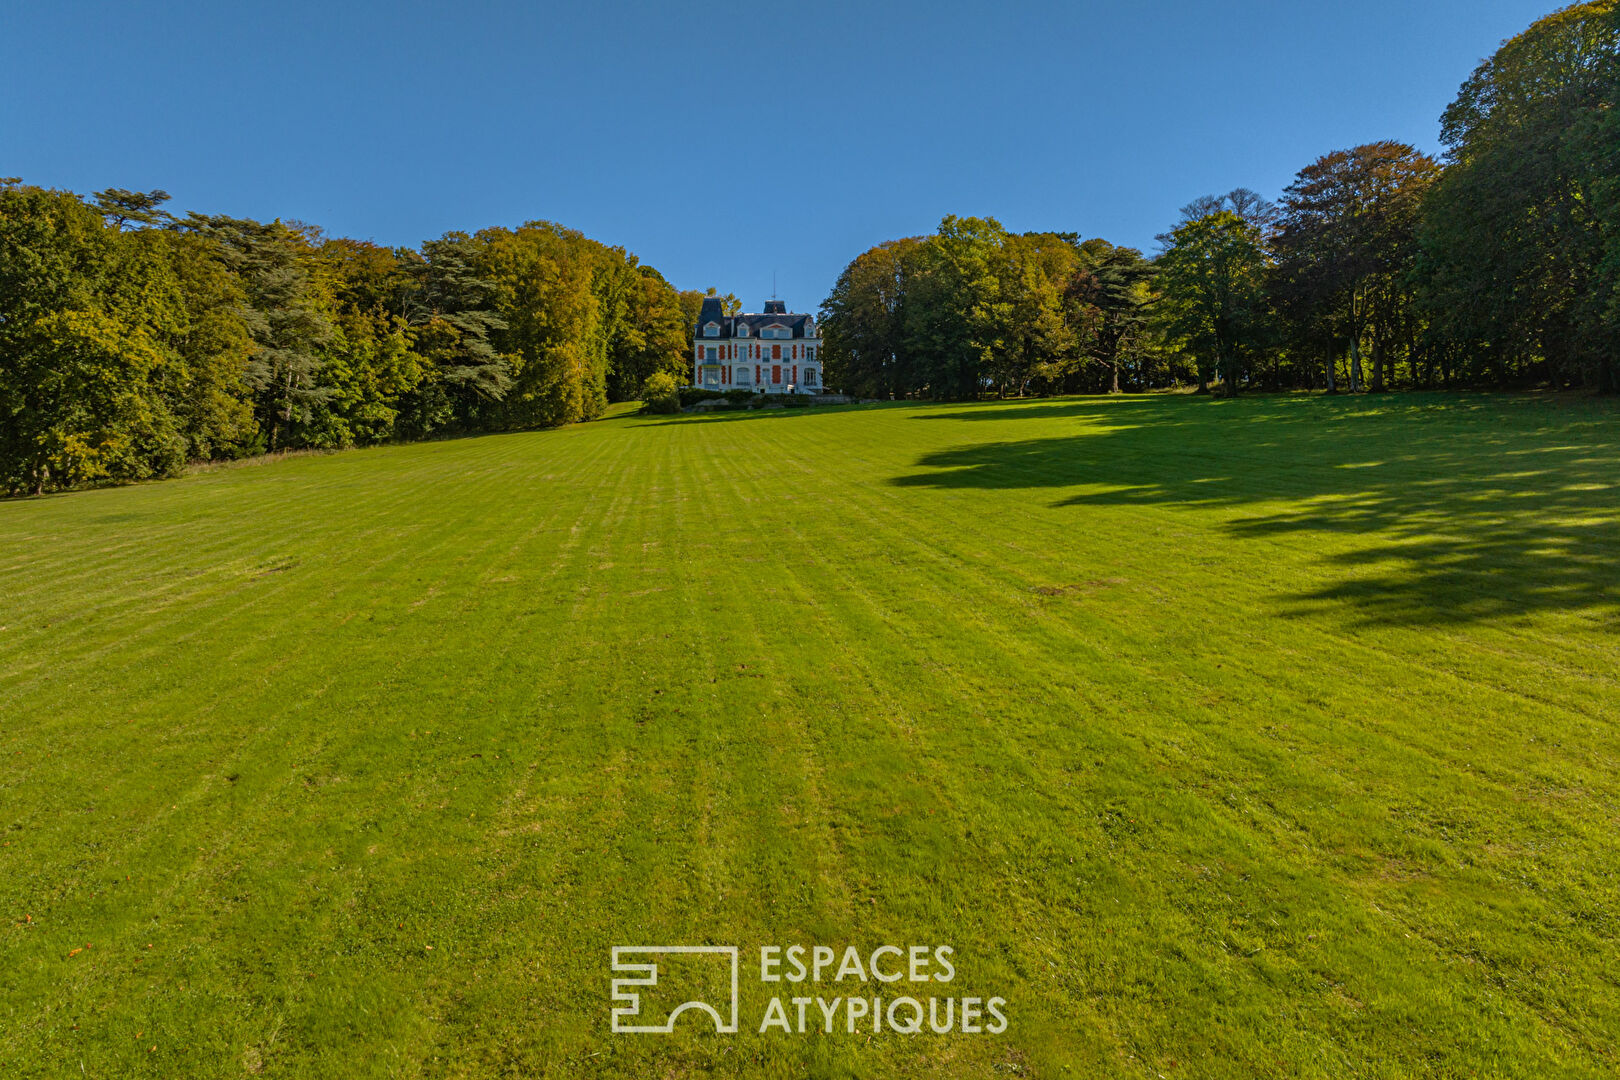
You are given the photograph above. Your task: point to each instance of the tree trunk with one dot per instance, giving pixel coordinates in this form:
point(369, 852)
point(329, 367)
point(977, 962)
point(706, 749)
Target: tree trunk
point(1115, 366)
point(1355, 363)
point(1224, 365)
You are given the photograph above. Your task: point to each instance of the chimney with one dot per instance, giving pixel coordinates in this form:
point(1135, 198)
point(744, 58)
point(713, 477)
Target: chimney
point(776, 307)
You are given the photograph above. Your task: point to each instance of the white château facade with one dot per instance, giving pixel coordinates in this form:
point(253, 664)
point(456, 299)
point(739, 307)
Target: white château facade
point(775, 352)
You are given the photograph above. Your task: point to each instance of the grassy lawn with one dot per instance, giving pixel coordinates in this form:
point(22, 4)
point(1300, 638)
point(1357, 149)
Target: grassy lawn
point(1268, 738)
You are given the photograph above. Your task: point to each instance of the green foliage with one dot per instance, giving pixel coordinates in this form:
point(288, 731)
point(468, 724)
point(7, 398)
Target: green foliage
point(453, 321)
point(1347, 247)
point(1107, 303)
point(122, 207)
point(661, 393)
point(1520, 235)
point(654, 336)
point(1212, 284)
point(692, 395)
point(1500, 268)
point(132, 341)
point(89, 376)
point(572, 310)
point(729, 304)
point(863, 323)
point(287, 315)
point(974, 310)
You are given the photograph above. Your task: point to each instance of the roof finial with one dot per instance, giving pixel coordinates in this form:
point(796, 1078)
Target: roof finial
point(773, 284)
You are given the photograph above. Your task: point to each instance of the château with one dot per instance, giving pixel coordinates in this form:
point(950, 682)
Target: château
point(773, 352)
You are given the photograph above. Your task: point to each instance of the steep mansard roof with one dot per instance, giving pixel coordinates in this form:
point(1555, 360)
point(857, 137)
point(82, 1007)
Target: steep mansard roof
point(728, 323)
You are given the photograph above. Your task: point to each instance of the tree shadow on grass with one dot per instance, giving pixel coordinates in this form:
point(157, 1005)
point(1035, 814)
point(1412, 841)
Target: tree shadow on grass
point(1472, 506)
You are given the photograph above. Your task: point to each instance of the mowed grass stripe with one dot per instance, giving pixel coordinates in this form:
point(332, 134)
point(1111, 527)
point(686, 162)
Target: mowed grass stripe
point(1237, 765)
point(1381, 657)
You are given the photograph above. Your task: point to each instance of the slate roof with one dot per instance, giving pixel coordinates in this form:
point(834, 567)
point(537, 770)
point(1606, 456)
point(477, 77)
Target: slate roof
point(755, 321)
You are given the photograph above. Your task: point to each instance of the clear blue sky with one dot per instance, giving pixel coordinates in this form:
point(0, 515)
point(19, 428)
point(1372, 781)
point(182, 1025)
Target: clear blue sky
point(720, 141)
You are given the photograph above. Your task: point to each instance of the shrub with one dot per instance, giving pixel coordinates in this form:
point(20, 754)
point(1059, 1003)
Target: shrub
point(661, 393)
point(691, 395)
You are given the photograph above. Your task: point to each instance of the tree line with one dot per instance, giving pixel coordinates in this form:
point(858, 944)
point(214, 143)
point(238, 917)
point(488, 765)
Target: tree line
point(1380, 266)
point(133, 341)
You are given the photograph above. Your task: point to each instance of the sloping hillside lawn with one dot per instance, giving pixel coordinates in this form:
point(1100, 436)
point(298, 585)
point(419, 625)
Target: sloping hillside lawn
point(1275, 737)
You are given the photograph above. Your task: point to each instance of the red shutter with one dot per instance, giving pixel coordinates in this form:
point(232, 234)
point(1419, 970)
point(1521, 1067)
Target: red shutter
point(756, 373)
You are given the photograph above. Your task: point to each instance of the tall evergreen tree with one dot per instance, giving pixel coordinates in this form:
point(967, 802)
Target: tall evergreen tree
point(285, 314)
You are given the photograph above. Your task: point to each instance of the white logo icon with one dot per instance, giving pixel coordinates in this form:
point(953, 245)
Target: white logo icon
point(646, 974)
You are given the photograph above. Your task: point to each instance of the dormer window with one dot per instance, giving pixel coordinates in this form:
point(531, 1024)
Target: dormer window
point(809, 328)
point(711, 330)
point(742, 329)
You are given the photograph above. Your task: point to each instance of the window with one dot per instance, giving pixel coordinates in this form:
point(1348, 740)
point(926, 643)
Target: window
point(711, 330)
point(714, 354)
point(742, 376)
point(809, 376)
point(742, 329)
